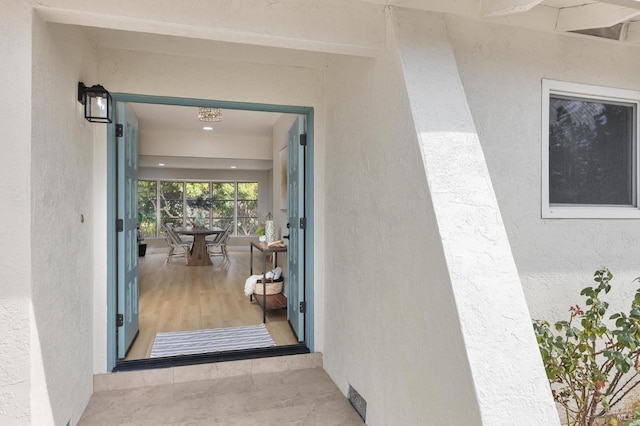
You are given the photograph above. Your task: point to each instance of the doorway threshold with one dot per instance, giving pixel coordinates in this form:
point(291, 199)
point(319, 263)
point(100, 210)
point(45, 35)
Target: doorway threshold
point(212, 357)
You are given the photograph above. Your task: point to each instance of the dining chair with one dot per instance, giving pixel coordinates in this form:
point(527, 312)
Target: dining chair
point(177, 247)
point(218, 246)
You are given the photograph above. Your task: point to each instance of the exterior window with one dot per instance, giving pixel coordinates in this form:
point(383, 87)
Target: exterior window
point(224, 204)
point(147, 207)
point(590, 153)
point(197, 203)
point(247, 208)
point(172, 203)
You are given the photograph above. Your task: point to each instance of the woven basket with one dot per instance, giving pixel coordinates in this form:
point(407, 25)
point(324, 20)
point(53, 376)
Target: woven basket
point(272, 287)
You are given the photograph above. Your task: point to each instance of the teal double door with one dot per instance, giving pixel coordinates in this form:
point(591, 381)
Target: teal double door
point(296, 216)
point(123, 288)
point(127, 319)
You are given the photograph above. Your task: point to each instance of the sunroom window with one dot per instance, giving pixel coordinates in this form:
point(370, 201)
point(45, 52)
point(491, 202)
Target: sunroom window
point(590, 151)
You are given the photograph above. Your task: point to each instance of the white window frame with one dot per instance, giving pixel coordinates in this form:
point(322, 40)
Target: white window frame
point(596, 93)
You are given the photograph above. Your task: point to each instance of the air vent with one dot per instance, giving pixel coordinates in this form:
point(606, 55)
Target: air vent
point(358, 402)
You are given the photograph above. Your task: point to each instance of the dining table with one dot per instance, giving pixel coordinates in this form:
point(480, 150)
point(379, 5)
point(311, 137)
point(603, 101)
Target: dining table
point(199, 256)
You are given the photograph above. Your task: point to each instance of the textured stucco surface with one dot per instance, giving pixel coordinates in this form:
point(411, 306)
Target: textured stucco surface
point(15, 259)
point(62, 275)
point(409, 205)
point(391, 318)
point(511, 385)
point(502, 69)
point(335, 26)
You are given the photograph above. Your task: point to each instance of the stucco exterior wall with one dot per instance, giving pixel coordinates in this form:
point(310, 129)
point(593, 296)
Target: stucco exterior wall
point(501, 69)
point(62, 225)
point(422, 294)
point(15, 214)
point(200, 78)
point(391, 324)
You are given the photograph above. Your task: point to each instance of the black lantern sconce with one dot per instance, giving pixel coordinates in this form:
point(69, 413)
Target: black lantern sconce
point(97, 103)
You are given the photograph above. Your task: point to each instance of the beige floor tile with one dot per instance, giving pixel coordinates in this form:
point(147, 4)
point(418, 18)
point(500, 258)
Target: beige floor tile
point(297, 397)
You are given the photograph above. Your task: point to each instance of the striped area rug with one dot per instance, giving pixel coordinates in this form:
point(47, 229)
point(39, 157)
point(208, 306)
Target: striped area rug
point(211, 340)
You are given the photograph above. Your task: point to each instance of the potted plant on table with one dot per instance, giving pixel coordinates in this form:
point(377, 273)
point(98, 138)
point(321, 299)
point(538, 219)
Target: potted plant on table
point(260, 232)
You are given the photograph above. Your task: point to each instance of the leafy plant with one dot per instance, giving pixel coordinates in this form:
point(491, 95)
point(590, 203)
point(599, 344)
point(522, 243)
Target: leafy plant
point(260, 231)
point(590, 366)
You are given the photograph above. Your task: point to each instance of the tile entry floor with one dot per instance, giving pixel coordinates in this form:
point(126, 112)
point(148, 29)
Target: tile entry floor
point(297, 397)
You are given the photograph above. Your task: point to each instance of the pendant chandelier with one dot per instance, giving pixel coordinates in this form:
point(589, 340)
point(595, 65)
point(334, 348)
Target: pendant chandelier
point(209, 114)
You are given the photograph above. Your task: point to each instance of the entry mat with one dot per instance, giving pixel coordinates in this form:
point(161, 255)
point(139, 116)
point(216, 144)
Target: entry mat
point(211, 340)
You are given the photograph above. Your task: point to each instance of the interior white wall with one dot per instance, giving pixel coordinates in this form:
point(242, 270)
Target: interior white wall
point(15, 234)
point(502, 68)
point(204, 144)
point(280, 138)
point(201, 78)
point(61, 226)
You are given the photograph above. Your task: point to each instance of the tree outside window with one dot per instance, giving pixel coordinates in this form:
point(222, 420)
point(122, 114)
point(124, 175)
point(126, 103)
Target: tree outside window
point(198, 195)
point(224, 196)
point(147, 207)
point(247, 208)
point(171, 203)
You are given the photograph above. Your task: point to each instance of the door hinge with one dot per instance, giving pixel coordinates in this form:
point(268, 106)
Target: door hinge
point(119, 320)
point(303, 307)
point(303, 139)
point(303, 223)
point(119, 130)
point(119, 225)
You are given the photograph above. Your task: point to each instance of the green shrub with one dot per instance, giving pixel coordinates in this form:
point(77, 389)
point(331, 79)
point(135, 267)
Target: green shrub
point(590, 366)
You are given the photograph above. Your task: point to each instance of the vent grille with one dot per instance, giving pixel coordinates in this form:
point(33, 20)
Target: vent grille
point(358, 402)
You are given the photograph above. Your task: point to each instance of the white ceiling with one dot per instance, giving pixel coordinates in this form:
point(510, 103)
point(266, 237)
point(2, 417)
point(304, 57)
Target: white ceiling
point(200, 48)
point(184, 119)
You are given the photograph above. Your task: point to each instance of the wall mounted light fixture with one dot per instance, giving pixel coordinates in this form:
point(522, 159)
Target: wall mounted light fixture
point(97, 103)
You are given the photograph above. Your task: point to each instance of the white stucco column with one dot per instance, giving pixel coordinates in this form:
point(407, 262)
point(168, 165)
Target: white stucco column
point(15, 216)
point(508, 375)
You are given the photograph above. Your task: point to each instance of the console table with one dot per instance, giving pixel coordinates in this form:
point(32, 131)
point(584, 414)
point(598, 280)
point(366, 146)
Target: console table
point(273, 301)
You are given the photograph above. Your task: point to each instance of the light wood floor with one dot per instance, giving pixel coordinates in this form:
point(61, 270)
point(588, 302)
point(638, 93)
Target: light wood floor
point(176, 297)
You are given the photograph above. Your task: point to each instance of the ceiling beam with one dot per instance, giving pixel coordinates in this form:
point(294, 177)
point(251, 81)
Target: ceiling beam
point(595, 15)
point(506, 7)
point(633, 4)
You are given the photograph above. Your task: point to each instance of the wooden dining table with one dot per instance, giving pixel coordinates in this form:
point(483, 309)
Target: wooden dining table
point(199, 255)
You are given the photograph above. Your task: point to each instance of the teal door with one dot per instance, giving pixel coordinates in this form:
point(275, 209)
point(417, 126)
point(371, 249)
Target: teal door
point(127, 224)
point(296, 215)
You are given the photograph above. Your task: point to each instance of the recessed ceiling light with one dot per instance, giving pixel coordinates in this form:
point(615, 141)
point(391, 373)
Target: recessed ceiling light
point(161, 164)
point(233, 167)
point(207, 128)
